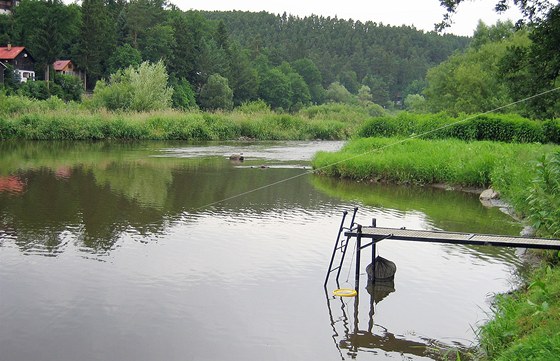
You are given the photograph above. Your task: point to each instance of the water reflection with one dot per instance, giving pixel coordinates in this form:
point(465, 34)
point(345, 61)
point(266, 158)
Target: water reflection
point(349, 338)
point(238, 279)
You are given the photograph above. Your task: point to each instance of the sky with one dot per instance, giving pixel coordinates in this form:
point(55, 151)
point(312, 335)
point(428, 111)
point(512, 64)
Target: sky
point(422, 14)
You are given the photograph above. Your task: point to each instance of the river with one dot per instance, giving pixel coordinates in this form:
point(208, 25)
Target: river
point(171, 251)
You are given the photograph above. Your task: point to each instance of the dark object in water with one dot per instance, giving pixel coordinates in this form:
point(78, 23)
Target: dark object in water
point(380, 289)
point(384, 270)
point(237, 157)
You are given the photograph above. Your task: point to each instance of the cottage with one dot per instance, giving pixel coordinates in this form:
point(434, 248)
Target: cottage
point(65, 67)
point(7, 6)
point(19, 59)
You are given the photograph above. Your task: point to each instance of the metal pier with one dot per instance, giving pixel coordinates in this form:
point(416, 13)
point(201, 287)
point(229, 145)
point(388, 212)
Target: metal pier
point(373, 234)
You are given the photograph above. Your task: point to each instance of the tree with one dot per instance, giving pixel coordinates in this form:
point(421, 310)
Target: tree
point(243, 77)
point(312, 76)
point(141, 88)
point(96, 40)
point(275, 89)
point(364, 94)
point(72, 87)
point(183, 95)
point(415, 103)
point(338, 93)
point(48, 28)
point(471, 82)
point(216, 94)
point(378, 89)
point(533, 11)
point(300, 92)
point(123, 57)
point(158, 43)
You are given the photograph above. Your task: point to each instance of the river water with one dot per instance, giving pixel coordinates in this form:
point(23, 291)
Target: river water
point(170, 251)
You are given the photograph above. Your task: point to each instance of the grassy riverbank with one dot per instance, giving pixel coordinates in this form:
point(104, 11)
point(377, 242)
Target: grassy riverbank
point(525, 324)
point(52, 119)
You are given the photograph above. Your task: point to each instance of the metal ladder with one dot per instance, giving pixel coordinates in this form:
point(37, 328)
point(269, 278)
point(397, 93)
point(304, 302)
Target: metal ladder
point(341, 245)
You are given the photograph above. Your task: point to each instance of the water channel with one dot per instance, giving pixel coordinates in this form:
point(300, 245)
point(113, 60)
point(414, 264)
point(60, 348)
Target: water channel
point(170, 251)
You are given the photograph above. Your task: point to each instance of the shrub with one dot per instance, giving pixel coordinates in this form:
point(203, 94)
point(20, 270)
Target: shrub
point(40, 90)
point(551, 129)
point(544, 196)
point(256, 106)
point(138, 89)
point(72, 87)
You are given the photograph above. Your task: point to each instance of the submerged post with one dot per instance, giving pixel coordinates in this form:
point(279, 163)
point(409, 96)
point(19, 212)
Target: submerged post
point(358, 251)
point(373, 245)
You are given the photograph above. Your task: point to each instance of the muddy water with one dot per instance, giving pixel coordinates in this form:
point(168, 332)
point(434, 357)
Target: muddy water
point(170, 251)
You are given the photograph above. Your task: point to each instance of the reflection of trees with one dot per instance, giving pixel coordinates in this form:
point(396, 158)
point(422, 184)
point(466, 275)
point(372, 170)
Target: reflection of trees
point(451, 211)
point(447, 210)
point(110, 191)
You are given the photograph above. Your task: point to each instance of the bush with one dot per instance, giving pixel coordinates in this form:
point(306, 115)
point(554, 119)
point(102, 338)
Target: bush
point(72, 87)
point(256, 106)
point(137, 89)
point(544, 196)
point(501, 128)
point(40, 90)
point(551, 130)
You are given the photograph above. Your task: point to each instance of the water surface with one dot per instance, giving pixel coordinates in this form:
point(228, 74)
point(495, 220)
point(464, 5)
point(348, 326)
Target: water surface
point(170, 251)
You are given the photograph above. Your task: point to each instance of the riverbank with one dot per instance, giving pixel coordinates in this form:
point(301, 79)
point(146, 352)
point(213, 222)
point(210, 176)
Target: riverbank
point(52, 119)
point(525, 323)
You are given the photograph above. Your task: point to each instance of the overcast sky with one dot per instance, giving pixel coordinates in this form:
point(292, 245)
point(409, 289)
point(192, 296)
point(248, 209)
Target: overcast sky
point(423, 14)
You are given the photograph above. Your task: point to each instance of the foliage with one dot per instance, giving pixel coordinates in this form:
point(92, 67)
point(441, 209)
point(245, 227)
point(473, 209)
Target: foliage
point(47, 28)
point(275, 89)
point(183, 95)
point(96, 40)
point(338, 93)
point(216, 94)
point(136, 89)
point(52, 119)
point(257, 106)
point(102, 37)
point(544, 196)
point(342, 50)
point(415, 103)
point(40, 90)
point(72, 87)
point(495, 127)
point(471, 82)
point(123, 57)
point(525, 323)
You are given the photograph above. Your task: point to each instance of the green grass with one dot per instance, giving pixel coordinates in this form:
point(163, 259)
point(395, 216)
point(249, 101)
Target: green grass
point(80, 124)
point(526, 324)
point(417, 161)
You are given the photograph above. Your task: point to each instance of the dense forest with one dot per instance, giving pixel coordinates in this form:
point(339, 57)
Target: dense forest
point(287, 61)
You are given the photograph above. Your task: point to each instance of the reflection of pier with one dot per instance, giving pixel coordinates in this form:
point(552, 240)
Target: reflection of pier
point(380, 281)
point(375, 337)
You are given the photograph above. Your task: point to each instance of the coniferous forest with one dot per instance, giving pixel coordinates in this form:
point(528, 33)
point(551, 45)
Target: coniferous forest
point(289, 62)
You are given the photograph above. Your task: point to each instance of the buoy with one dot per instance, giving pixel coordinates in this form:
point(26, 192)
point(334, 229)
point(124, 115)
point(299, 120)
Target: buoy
point(345, 292)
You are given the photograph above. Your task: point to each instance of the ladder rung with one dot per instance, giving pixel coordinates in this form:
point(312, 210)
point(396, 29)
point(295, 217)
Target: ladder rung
point(334, 269)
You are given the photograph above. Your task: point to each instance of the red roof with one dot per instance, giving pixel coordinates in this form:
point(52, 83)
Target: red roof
point(6, 54)
point(60, 65)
